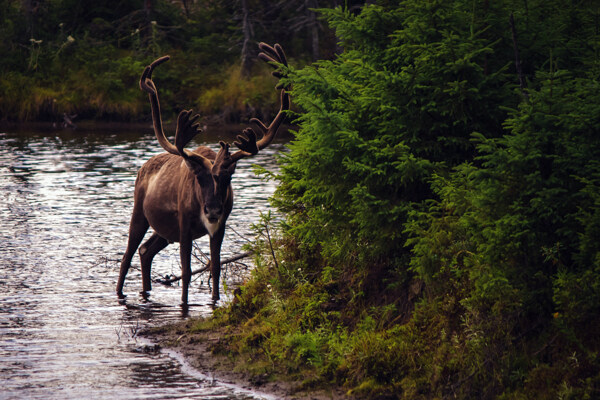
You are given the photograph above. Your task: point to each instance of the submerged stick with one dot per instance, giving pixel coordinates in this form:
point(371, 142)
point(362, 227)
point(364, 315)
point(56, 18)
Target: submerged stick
point(169, 281)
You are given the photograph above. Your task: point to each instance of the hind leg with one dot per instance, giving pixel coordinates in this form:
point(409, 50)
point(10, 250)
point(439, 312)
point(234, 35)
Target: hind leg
point(137, 229)
point(147, 252)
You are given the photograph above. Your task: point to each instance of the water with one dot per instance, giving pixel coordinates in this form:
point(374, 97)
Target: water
point(65, 204)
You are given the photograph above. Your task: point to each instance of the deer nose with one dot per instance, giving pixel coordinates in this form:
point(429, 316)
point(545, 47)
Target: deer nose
point(213, 212)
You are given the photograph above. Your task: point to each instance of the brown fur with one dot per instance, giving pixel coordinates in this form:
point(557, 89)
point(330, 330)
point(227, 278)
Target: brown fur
point(184, 195)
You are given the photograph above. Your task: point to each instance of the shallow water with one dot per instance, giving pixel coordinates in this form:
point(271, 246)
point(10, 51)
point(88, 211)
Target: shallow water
point(65, 204)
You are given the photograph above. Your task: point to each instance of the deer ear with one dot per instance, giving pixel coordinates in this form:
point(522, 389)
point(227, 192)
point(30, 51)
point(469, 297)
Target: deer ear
point(222, 158)
point(231, 168)
point(196, 163)
point(192, 165)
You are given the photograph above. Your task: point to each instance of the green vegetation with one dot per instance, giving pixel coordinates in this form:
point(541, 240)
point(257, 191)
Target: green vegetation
point(441, 222)
point(65, 56)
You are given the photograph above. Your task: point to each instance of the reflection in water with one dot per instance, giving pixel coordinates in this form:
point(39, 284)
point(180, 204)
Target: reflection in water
point(65, 204)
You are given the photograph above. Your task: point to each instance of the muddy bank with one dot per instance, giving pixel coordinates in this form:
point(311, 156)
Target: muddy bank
point(199, 350)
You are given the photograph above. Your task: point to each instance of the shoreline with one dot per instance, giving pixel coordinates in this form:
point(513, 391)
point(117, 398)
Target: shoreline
point(83, 125)
point(193, 350)
point(211, 131)
point(204, 375)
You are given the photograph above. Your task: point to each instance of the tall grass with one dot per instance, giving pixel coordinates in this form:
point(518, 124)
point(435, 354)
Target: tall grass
point(23, 99)
point(234, 97)
point(103, 84)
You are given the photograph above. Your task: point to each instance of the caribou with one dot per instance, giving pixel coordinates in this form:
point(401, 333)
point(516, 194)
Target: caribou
point(185, 194)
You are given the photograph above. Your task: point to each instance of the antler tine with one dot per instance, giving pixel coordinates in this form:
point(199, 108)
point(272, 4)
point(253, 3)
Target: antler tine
point(148, 86)
point(247, 141)
point(281, 54)
point(268, 53)
point(187, 128)
point(270, 131)
point(272, 54)
point(146, 83)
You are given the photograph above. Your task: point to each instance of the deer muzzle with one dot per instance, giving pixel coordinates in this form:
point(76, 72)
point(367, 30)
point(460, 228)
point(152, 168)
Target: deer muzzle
point(213, 212)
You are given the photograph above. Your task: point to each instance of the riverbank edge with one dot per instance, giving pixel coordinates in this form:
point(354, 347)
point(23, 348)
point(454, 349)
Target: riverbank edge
point(210, 132)
point(197, 348)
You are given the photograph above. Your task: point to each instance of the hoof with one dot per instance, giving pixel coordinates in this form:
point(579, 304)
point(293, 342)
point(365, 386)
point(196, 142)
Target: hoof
point(214, 304)
point(185, 310)
point(120, 295)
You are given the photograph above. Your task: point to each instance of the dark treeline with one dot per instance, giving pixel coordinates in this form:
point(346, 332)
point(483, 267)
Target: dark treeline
point(74, 57)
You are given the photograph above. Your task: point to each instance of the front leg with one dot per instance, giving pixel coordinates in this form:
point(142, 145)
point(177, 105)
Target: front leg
point(215, 260)
point(185, 251)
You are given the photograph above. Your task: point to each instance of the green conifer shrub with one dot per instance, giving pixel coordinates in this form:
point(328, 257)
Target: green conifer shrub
point(398, 105)
point(421, 169)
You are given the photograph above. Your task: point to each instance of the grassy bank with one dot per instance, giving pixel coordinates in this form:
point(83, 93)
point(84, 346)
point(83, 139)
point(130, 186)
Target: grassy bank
point(109, 91)
point(202, 347)
point(86, 59)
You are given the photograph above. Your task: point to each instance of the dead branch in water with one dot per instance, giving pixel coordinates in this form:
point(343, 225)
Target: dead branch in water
point(169, 281)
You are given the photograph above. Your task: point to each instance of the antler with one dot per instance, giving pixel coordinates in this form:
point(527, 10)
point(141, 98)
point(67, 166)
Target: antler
point(246, 143)
point(187, 127)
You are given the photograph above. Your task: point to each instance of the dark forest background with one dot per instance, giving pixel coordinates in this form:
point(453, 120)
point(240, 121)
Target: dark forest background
point(85, 58)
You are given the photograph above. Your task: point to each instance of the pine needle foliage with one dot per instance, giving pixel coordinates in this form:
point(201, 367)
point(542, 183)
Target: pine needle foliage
point(440, 217)
point(396, 106)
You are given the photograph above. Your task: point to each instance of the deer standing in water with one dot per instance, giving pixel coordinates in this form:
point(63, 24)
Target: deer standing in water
point(185, 194)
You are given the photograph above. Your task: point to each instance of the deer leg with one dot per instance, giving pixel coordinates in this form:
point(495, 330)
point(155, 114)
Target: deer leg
point(185, 251)
point(215, 260)
point(137, 229)
point(147, 251)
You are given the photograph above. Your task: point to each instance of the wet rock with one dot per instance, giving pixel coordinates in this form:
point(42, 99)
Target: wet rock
point(148, 349)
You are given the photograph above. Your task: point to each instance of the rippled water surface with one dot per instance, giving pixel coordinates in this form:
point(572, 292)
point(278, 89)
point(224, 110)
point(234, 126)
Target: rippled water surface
point(65, 204)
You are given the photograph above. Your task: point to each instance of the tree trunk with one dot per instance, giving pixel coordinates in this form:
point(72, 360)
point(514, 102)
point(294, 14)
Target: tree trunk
point(186, 9)
point(148, 8)
point(28, 8)
point(314, 27)
point(247, 32)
